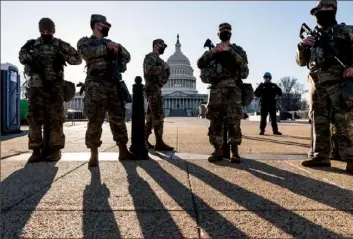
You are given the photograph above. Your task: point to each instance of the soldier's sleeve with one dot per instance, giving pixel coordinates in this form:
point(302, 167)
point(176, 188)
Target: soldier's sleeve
point(124, 57)
point(24, 51)
point(241, 60)
point(124, 54)
point(71, 56)
point(302, 55)
point(88, 52)
point(150, 65)
point(205, 60)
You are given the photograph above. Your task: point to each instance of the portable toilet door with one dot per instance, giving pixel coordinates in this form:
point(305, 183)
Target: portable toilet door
point(10, 99)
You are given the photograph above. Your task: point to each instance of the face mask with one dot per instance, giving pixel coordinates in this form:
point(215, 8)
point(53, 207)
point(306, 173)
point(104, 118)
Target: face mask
point(225, 36)
point(105, 31)
point(46, 38)
point(326, 18)
point(161, 50)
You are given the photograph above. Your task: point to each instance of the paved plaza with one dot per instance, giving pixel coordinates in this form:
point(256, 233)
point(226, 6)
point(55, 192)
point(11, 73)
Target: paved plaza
point(176, 194)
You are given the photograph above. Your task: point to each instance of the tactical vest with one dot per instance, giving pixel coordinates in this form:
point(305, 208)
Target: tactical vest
point(215, 72)
point(333, 43)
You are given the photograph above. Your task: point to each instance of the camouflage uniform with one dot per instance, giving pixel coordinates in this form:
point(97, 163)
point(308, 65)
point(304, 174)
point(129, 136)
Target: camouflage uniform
point(156, 74)
point(334, 155)
point(101, 92)
point(45, 89)
point(326, 76)
point(225, 101)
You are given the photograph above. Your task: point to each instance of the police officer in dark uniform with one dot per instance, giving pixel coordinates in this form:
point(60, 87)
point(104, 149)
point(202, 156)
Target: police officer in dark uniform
point(268, 92)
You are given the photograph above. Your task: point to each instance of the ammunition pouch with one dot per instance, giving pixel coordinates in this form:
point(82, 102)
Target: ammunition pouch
point(206, 76)
point(214, 73)
point(247, 93)
point(69, 91)
point(347, 94)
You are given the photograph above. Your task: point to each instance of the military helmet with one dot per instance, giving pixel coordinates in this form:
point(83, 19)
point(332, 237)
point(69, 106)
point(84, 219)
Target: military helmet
point(69, 91)
point(159, 41)
point(223, 26)
point(46, 24)
point(324, 3)
point(95, 18)
point(267, 74)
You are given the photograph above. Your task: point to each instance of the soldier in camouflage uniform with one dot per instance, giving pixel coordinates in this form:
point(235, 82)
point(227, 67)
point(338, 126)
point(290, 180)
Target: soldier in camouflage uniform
point(45, 88)
point(225, 102)
point(101, 90)
point(334, 155)
point(156, 73)
point(326, 75)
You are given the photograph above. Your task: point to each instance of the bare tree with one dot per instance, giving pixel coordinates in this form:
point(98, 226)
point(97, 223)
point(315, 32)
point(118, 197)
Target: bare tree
point(291, 99)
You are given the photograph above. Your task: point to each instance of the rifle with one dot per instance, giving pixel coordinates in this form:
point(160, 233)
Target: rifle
point(347, 84)
point(224, 58)
point(125, 96)
point(225, 146)
point(319, 36)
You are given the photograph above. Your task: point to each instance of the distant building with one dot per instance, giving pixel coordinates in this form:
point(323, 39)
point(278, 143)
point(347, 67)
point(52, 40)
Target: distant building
point(180, 95)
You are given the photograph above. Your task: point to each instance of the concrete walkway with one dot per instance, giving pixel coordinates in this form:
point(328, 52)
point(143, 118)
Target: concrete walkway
point(174, 195)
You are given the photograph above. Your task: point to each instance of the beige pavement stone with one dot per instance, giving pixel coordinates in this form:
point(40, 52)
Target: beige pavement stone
point(130, 186)
point(263, 185)
point(20, 180)
point(101, 224)
point(278, 224)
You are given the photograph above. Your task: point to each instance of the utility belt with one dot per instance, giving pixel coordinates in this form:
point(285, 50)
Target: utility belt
point(104, 74)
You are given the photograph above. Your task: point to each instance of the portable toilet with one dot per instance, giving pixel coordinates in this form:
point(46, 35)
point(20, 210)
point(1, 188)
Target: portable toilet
point(10, 99)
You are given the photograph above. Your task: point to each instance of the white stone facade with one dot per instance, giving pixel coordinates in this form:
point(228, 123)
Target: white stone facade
point(179, 94)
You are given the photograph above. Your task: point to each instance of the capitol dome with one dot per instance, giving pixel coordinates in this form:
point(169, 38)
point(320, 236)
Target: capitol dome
point(181, 73)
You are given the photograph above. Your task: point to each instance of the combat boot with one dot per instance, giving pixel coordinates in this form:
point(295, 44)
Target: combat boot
point(161, 145)
point(277, 133)
point(93, 160)
point(235, 154)
point(54, 155)
point(149, 145)
point(349, 169)
point(124, 153)
point(262, 132)
point(216, 155)
point(35, 157)
point(310, 153)
point(316, 162)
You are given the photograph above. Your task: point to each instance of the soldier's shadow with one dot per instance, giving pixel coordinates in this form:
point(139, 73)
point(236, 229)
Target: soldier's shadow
point(98, 218)
point(325, 193)
point(21, 193)
point(288, 221)
point(158, 220)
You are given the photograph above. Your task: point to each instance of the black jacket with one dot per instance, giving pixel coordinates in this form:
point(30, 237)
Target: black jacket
point(267, 92)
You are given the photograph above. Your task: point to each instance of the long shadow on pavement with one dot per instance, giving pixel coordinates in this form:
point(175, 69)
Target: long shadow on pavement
point(328, 194)
point(98, 223)
point(180, 194)
point(279, 216)
point(276, 141)
point(33, 179)
point(158, 222)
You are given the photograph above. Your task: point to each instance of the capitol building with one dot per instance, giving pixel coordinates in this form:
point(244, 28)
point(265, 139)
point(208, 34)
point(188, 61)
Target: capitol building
point(179, 94)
